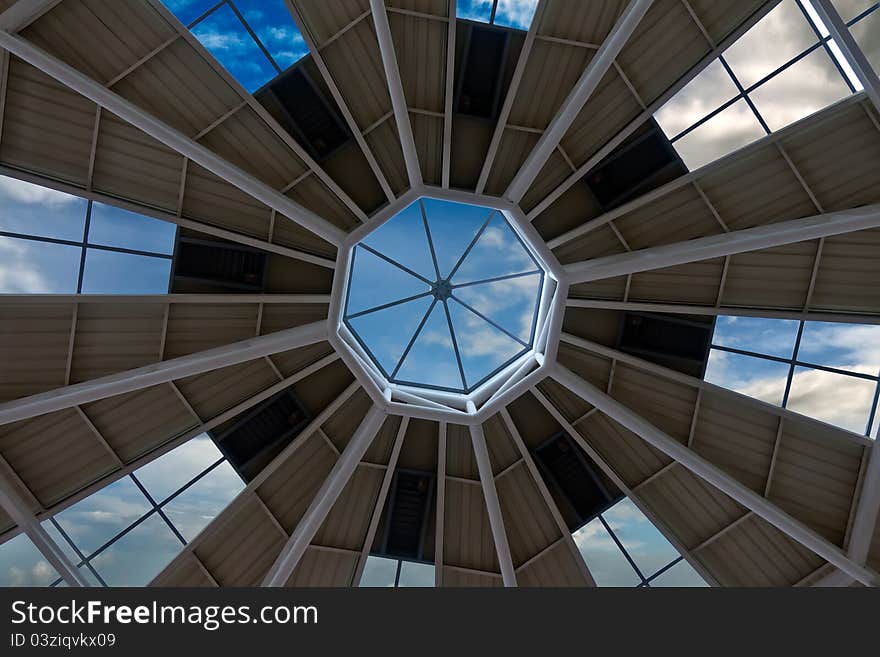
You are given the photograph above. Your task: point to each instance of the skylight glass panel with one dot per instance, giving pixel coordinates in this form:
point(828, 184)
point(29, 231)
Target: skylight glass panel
point(515, 13)
point(608, 565)
point(379, 572)
point(34, 210)
point(416, 574)
point(749, 375)
point(475, 10)
point(849, 9)
point(841, 400)
point(22, 564)
point(772, 337)
point(111, 226)
point(109, 272)
point(195, 507)
point(727, 131)
point(777, 38)
point(139, 555)
point(867, 35)
point(32, 267)
point(854, 347)
point(274, 26)
point(173, 469)
point(647, 547)
point(187, 11)
point(226, 37)
point(807, 86)
point(443, 295)
point(682, 574)
point(708, 91)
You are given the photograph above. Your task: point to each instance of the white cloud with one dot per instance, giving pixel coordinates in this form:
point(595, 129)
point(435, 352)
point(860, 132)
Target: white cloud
point(18, 191)
point(17, 273)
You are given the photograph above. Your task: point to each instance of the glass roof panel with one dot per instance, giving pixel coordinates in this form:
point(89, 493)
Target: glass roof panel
point(724, 133)
point(475, 10)
point(497, 252)
point(375, 282)
point(432, 360)
point(854, 347)
point(849, 9)
point(137, 557)
point(453, 227)
point(389, 331)
point(188, 10)
point(403, 239)
point(604, 559)
point(681, 574)
point(379, 572)
point(112, 226)
point(194, 508)
point(509, 303)
point(29, 267)
point(515, 13)
point(867, 34)
point(172, 470)
point(644, 543)
point(34, 210)
point(841, 400)
point(21, 564)
point(748, 375)
point(483, 347)
point(708, 91)
point(773, 337)
point(273, 24)
point(416, 574)
point(108, 272)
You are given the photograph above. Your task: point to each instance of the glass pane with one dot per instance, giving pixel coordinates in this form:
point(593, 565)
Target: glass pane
point(388, 332)
point(107, 272)
point(199, 504)
point(867, 34)
point(604, 559)
point(416, 574)
point(844, 401)
point(431, 361)
point(806, 87)
point(475, 10)
point(172, 470)
point(681, 574)
point(93, 521)
point(774, 337)
point(403, 239)
point(273, 25)
point(755, 377)
point(497, 252)
point(34, 210)
point(21, 564)
point(375, 282)
point(30, 267)
point(137, 557)
point(515, 13)
point(379, 571)
point(775, 40)
point(853, 347)
point(453, 227)
point(62, 542)
point(111, 226)
point(724, 133)
point(512, 303)
point(849, 9)
point(188, 10)
point(224, 35)
point(708, 91)
point(483, 347)
point(644, 543)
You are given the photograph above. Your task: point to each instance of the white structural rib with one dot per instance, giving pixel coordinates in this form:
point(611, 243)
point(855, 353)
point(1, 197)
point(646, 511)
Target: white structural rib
point(854, 55)
point(324, 500)
point(162, 372)
point(23, 13)
point(577, 98)
point(171, 137)
point(493, 507)
point(17, 509)
point(713, 475)
point(716, 246)
point(395, 89)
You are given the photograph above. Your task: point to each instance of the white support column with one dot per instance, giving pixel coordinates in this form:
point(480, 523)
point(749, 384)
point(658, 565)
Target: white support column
point(493, 507)
point(577, 98)
point(854, 55)
point(867, 510)
point(23, 13)
point(440, 517)
point(716, 246)
point(324, 500)
point(713, 475)
point(170, 136)
point(18, 510)
point(162, 372)
point(395, 89)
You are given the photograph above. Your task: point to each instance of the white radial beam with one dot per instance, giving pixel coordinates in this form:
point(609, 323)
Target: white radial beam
point(168, 370)
point(23, 13)
point(577, 98)
point(854, 55)
point(493, 507)
point(715, 246)
point(18, 510)
point(171, 137)
point(713, 475)
point(324, 500)
point(395, 89)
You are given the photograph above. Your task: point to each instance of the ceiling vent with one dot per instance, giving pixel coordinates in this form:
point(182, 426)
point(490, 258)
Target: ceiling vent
point(564, 468)
point(300, 107)
point(640, 164)
point(223, 264)
point(680, 342)
point(406, 515)
point(479, 87)
point(259, 435)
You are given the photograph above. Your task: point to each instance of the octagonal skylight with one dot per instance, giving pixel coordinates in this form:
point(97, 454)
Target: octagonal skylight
point(443, 296)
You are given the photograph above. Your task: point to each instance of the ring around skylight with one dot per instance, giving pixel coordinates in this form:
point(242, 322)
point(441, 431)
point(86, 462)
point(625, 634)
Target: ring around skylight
point(443, 296)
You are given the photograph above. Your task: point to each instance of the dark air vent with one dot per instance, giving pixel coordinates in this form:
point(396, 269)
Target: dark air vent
point(305, 113)
point(479, 86)
point(407, 513)
point(564, 467)
point(675, 341)
point(257, 437)
point(220, 263)
point(639, 165)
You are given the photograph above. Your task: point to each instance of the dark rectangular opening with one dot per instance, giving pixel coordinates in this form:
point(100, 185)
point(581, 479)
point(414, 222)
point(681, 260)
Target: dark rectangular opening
point(680, 342)
point(479, 86)
point(223, 264)
point(406, 515)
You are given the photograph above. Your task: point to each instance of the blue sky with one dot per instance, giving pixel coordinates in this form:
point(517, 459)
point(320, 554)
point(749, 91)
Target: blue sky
point(492, 321)
point(509, 13)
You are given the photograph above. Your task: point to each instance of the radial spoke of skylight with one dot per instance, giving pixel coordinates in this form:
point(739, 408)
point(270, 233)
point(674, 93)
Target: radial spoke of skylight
point(497, 252)
point(389, 331)
point(453, 227)
point(375, 281)
point(403, 240)
point(431, 361)
point(484, 348)
point(510, 303)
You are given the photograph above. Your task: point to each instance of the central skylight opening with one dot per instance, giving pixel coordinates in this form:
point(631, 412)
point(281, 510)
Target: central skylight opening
point(443, 296)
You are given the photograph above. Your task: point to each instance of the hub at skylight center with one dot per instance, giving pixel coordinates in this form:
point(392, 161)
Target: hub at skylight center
point(445, 304)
